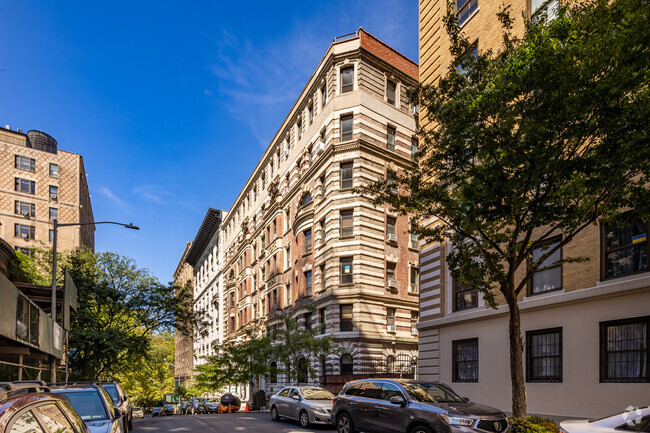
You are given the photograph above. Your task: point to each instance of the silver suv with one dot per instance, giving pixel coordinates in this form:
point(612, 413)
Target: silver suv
point(411, 406)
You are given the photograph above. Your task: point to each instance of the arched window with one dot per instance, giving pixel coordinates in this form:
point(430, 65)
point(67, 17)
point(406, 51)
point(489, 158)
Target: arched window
point(303, 370)
point(390, 364)
point(347, 364)
point(274, 372)
point(306, 199)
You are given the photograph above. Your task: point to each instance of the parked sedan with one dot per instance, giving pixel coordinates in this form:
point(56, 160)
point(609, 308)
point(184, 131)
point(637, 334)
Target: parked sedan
point(307, 404)
point(138, 412)
point(198, 406)
point(397, 405)
point(211, 406)
point(168, 409)
point(634, 420)
point(121, 400)
point(156, 411)
point(94, 405)
point(23, 403)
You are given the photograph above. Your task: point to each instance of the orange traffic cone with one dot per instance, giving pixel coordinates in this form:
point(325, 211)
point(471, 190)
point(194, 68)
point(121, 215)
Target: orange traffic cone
point(247, 408)
point(219, 409)
point(229, 408)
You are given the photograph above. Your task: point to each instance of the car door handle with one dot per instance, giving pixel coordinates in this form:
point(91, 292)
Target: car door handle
point(353, 403)
point(379, 407)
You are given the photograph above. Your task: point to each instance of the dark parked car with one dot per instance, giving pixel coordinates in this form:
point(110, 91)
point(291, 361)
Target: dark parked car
point(120, 400)
point(94, 406)
point(399, 405)
point(29, 406)
point(185, 407)
point(168, 409)
point(211, 406)
point(156, 411)
point(198, 406)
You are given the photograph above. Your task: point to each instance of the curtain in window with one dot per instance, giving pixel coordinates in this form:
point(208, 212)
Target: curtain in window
point(627, 351)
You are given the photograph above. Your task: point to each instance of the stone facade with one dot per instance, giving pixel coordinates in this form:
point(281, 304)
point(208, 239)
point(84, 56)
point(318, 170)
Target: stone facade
point(38, 183)
point(565, 325)
point(183, 344)
point(300, 235)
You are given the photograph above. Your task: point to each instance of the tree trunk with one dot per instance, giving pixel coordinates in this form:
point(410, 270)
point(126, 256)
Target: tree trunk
point(516, 360)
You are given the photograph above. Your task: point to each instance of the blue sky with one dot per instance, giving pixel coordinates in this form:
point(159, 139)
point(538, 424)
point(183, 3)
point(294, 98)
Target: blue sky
point(170, 103)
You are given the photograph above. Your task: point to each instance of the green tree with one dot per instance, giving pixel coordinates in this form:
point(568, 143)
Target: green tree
point(153, 375)
point(545, 137)
point(295, 347)
point(120, 308)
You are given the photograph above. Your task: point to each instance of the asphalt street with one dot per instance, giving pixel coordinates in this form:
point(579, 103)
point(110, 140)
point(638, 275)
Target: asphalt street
point(225, 422)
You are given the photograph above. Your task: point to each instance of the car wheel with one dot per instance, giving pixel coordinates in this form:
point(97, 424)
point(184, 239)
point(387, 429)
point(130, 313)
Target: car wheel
point(344, 424)
point(420, 429)
point(274, 414)
point(304, 419)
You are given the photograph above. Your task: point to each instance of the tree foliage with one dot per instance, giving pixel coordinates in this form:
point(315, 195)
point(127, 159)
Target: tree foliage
point(152, 376)
point(544, 137)
point(120, 308)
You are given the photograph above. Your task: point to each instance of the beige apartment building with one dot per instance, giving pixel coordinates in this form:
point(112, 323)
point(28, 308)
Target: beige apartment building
point(585, 325)
point(299, 235)
point(40, 183)
point(183, 349)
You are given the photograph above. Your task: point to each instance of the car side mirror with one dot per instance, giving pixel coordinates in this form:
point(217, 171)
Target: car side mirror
point(118, 414)
point(296, 397)
point(397, 399)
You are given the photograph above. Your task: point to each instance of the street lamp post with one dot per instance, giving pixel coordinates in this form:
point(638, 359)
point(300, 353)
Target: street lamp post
point(56, 226)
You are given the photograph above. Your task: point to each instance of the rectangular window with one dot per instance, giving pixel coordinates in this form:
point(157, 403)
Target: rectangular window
point(390, 182)
point(625, 350)
point(539, 8)
point(25, 209)
point(548, 276)
point(465, 297)
point(322, 278)
point(25, 163)
point(346, 127)
point(310, 110)
point(347, 221)
point(54, 170)
point(465, 9)
point(465, 360)
point(415, 280)
point(24, 185)
point(544, 355)
point(322, 316)
point(308, 285)
point(390, 138)
point(390, 317)
point(307, 236)
point(23, 250)
point(54, 212)
point(347, 79)
point(323, 186)
point(23, 231)
point(390, 92)
point(322, 232)
point(390, 272)
point(346, 175)
point(299, 128)
point(287, 292)
point(346, 317)
point(346, 270)
point(54, 192)
point(323, 95)
point(415, 318)
point(414, 237)
point(308, 321)
point(414, 148)
point(625, 248)
point(390, 225)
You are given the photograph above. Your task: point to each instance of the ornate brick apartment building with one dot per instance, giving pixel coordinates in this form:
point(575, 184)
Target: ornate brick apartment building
point(585, 325)
point(183, 343)
point(299, 234)
point(40, 183)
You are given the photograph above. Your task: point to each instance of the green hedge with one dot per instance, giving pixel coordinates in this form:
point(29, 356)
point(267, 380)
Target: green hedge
point(533, 424)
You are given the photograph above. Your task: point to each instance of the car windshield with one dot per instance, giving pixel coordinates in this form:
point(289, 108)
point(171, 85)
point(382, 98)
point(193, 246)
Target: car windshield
point(88, 405)
point(112, 391)
point(316, 394)
point(431, 393)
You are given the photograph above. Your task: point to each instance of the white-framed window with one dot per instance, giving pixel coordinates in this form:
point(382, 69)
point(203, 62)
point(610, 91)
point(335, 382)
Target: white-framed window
point(347, 79)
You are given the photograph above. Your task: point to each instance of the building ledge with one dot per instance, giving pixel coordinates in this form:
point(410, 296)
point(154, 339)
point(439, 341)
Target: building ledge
point(603, 289)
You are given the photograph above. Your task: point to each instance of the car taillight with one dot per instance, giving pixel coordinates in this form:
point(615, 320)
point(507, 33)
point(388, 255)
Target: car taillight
point(334, 400)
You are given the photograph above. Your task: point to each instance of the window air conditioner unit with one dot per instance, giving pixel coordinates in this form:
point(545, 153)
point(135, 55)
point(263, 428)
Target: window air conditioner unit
point(414, 331)
point(24, 236)
point(391, 237)
point(415, 110)
point(391, 284)
point(319, 147)
point(53, 196)
point(413, 288)
point(390, 328)
point(286, 153)
point(25, 213)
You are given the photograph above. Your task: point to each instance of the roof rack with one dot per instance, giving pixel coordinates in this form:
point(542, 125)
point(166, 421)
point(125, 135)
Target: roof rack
point(74, 383)
point(22, 386)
